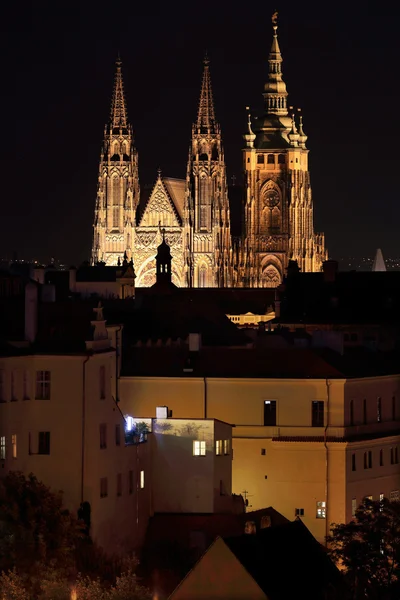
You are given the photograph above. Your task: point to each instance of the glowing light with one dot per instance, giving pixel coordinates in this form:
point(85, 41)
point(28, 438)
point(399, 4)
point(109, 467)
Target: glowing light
point(129, 423)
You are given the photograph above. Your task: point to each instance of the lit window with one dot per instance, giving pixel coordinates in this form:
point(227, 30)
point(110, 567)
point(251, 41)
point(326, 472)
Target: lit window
point(199, 448)
point(130, 482)
point(118, 435)
point(381, 497)
point(394, 496)
point(142, 479)
point(102, 376)
point(119, 484)
point(218, 447)
point(321, 510)
point(3, 447)
point(353, 506)
point(226, 446)
point(103, 436)
point(42, 385)
point(129, 423)
point(14, 445)
point(103, 487)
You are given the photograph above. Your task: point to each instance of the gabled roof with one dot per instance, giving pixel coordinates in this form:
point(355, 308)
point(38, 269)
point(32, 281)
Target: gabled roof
point(165, 197)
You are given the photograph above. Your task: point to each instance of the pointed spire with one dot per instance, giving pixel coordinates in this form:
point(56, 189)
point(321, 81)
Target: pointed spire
point(206, 115)
point(119, 116)
point(275, 94)
point(302, 136)
point(379, 263)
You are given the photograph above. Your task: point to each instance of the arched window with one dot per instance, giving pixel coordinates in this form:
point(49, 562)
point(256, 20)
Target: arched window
point(204, 202)
point(203, 276)
point(281, 159)
point(116, 201)
point(271, 159)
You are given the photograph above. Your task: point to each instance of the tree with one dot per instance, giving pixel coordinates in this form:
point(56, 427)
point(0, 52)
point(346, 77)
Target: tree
point(368, 549)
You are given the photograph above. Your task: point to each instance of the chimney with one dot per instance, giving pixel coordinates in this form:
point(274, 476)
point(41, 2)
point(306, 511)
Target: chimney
point(330, 268)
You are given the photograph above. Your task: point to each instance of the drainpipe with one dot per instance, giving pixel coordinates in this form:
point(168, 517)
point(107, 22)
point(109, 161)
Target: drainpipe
point(117, 355)
point(328, 384)
point(205, 397)
point(83, 423)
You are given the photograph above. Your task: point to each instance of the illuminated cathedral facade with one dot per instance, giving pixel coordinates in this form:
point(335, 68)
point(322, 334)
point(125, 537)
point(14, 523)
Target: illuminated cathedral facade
point(193, 215)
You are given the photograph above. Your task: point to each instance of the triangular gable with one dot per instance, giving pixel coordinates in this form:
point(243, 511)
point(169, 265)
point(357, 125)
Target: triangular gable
point(160, 208)
point(218, 575)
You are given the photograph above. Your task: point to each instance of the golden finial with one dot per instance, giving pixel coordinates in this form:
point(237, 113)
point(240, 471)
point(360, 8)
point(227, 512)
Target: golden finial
point(275, 20)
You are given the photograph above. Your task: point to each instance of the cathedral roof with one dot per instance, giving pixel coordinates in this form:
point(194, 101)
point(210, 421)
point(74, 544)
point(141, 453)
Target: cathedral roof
point(176, 190)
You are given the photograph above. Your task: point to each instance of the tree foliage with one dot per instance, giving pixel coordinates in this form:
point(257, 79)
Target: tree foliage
point(368, 549)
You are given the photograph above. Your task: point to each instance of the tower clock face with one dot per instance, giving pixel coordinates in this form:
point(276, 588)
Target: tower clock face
point(271, 199)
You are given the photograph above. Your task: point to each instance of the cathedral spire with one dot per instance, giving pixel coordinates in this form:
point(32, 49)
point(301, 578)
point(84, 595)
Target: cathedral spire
point(275, 94)
point(119, 116)
point(206, 116)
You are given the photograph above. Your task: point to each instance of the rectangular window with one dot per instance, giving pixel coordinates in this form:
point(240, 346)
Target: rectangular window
point(391, 456)
point(379, 409)
point(396, 456)
point(321, 510)
point(353, 506)
point(3, 447)
point(141, 479)
point(25, 386)
point(299, 512)
point(42, 385)
point(103, 487)
point(381, 497)
point(369, 459)
point(270, 413)
point(317, 408)
point(13, 386)
point(263, 452)
point(226, 446)
point(102, 377)
point(119, 484)
point(394, 496)
point(218, 447)
point(381, 457)
point(44, 442)
point(103, 436)
point(130, 482)
point(199, 448)
point(14, 445)
point(353, 462)
point(2, 395)
point(365, 460)
point(118, 435)
point(365, 411)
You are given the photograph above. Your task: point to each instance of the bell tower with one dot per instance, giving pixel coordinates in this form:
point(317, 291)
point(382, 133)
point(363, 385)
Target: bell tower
point(278, 207)
point(118, 184)
point(206, 213)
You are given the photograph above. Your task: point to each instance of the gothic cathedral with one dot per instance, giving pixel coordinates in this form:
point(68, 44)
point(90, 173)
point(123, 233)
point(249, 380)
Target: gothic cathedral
point(193, 215)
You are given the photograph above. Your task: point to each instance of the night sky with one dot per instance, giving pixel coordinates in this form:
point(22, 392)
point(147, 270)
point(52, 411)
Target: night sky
point(57, 60)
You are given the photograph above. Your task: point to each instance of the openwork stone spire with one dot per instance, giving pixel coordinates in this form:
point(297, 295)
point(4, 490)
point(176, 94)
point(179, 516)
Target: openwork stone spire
point(119, 116)
point(275, 94)
point(206, 116)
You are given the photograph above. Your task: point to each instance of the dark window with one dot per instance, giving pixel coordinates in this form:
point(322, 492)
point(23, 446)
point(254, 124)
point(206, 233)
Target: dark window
point(365, 460)
point(42, 385)
point(369, 459)
point(262, 451)
point(391, 456)
point(118, 435)
point(130, 482)
point(44, 442)
point(393, 408)
point(317, 409)
point(351, 412)
point(281, 159)
point(365, 411)
point(353, 462)
point(103, 436)
point(379, 410)
point(381, 458)
point(102, 376)
point(270, 412)
point(299, 512)
point(103, 487)
point(260, 159)
point(396, 456)
point(119, 484)
point(271, 159)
